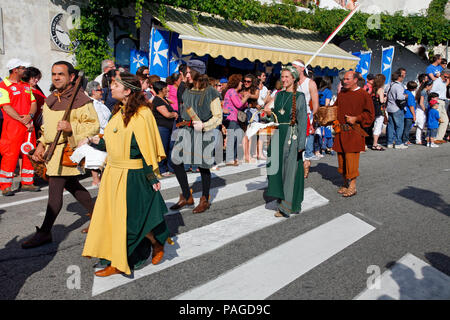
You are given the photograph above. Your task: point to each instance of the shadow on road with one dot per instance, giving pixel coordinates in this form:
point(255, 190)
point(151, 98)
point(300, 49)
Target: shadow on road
point(17, 264)
point(327, 172)
point(426, 198)
point(430, 286)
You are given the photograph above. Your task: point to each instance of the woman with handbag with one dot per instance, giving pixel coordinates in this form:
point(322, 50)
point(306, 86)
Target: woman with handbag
point(233, 104)
point(379, 103)
point(285, 153)
point(128, 220)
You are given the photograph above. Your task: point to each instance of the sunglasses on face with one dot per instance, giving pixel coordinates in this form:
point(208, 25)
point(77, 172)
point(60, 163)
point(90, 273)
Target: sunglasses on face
point(247, 81)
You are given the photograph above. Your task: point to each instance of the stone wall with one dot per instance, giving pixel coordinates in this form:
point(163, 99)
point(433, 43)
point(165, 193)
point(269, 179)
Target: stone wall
point(26, 30)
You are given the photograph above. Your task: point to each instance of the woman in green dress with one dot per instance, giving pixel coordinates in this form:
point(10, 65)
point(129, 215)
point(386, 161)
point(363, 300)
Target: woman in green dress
point(128, 220)
point(285, 162)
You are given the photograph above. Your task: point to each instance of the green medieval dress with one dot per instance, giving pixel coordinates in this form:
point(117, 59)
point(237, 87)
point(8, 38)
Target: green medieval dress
point(285, 171)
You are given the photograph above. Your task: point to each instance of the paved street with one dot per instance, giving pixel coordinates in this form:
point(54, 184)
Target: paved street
point(396, 227)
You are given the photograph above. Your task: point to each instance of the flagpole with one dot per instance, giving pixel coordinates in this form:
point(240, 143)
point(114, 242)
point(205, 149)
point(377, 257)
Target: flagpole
point(332, 35)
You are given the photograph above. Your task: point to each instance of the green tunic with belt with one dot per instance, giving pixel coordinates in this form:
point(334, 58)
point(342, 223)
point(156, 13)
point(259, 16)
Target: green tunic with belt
point(285, 164)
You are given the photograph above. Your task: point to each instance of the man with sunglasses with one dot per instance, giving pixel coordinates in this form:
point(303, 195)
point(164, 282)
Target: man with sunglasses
point(440, 87)
point(19, 107)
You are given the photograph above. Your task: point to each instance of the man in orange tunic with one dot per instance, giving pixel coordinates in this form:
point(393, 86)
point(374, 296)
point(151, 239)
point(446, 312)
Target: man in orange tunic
point(354, 112)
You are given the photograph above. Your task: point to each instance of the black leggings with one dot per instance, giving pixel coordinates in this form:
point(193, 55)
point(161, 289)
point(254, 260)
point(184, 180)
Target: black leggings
point(181, 175)
point(56, 187)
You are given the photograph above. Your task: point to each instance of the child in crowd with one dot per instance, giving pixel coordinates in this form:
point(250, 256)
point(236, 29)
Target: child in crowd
point(410, 111)
point(433, 122)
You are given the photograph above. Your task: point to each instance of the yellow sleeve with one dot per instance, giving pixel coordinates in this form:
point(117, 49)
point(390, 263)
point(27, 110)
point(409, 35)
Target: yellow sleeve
point(33, 99)
point(4, 97)
point(216, 110)
point(148, 138)
point(84, 122)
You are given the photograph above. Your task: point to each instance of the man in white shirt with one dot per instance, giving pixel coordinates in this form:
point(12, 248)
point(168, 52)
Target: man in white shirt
point(106, 66)
point(440, 87)
point(309, 88)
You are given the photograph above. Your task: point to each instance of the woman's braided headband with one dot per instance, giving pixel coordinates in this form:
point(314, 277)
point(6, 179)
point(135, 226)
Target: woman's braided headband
point(128, 85)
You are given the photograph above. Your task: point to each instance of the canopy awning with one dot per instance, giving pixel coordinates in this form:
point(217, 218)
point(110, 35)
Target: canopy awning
point(217, 36)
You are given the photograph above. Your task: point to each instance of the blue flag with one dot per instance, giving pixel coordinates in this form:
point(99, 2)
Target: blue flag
point(386, 63)
point(159, 52)
point(363, 66)
point(176, 53)
point(137, 59)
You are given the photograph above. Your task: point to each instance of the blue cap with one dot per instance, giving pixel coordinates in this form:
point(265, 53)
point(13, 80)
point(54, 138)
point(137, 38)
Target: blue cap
point(223, 80)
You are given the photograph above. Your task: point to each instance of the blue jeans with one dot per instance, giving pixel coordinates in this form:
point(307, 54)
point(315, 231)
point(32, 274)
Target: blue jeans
point(408, 123)
point(166, 134)
point(395, 127)
point(309, 148)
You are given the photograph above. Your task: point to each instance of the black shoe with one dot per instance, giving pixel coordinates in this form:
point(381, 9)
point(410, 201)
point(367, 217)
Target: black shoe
point(39, 239)
point(7, 192)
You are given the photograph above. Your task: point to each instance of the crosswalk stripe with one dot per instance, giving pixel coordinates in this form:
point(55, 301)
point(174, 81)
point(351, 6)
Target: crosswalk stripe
point(227, 192)
point(409, 279)
point(165, 183)
point(264, 275)
point(208, 238)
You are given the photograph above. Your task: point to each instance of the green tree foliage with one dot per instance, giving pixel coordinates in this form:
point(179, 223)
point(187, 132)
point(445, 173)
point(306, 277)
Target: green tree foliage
point(432, 29)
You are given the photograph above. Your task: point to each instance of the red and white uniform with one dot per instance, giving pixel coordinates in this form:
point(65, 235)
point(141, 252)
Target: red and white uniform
point(20, 97)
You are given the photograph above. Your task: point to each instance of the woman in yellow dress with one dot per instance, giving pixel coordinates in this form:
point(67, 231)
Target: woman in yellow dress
point(128, 220)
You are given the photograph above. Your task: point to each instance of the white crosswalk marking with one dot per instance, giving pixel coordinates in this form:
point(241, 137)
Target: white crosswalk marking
point(264, 275)
point(409, 279)
point(208, 238)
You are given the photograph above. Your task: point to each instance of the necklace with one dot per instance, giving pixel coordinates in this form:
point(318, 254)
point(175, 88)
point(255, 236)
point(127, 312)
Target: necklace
point(282, 111)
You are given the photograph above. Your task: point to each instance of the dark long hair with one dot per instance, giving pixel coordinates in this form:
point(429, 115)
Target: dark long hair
point(421, 88)
point(136, 99)
point(378, 82)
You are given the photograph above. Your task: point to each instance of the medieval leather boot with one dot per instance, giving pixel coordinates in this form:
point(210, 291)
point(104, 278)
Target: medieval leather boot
point(202, 206)
point(183, 202)
point(157, 253)
point(108, 271)
point(40, 238)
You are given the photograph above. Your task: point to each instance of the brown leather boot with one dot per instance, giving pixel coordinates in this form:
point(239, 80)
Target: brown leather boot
point(108, 271)
point(202, 206)
point(183, 202)
point(157, 253)
point(40, 238)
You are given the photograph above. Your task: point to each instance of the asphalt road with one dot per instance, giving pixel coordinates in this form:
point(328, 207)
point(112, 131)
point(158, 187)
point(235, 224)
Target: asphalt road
point(403, 194)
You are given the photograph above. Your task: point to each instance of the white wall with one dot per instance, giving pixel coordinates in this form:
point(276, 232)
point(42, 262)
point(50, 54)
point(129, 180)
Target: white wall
point(26, 27)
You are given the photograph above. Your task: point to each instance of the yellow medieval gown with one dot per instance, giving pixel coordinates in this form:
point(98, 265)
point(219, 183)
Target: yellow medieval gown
point(127, 207)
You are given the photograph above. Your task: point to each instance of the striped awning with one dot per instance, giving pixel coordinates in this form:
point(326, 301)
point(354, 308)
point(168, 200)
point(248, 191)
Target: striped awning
point(217, 36)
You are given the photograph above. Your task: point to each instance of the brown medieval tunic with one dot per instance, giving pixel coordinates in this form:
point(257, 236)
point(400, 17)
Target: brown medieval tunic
point(353, 103)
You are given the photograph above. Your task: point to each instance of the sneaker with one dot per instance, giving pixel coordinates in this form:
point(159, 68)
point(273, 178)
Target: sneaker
point(433, 145)
point(314, 158)
point(7, 192)
point(390, 146)
point(401, 146)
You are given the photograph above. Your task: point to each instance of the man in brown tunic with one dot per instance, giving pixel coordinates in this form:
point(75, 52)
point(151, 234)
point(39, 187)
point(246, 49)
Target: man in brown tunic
point(354, 112)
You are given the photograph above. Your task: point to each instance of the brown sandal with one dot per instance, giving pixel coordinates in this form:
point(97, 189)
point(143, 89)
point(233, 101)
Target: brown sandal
point(351, 191)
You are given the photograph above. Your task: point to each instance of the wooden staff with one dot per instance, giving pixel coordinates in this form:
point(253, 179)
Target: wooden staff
point(66, 116)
